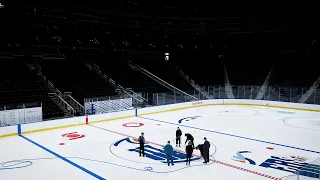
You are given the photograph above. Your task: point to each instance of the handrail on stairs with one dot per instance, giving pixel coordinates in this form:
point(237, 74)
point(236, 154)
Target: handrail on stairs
point(162, 81)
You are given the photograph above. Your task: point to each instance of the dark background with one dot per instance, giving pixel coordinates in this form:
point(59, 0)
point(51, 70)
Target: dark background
point(202, 37)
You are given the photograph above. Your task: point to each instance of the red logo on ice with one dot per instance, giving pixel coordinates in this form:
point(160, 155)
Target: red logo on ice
point(73, 135)
point(132, 124)
point(196, 103)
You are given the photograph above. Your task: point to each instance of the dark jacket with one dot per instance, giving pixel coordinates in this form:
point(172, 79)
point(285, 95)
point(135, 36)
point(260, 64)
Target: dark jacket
point(189, 149)
point(200, 148)
point(206, 146)
point(168, 150)
point(141, 140)
point(178, 133)
point(189, 137)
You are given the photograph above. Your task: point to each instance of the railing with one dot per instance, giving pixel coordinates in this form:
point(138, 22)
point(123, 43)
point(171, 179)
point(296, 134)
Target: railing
point(107, 104)
point(273, 93)
point(118, 88)
point(56, 94)
point(193, 84)
point(105, 98)
point(74, 103)
point(138, 98)
point(164, 83)
point(62, 104)
point(135, 101)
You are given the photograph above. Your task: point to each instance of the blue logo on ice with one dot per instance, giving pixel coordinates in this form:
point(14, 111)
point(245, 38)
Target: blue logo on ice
point(239, 157)
point(188, 119)
point(127, 150)
point(289, 164)
point(285, 112)
point(154, 153)
point(148, 168)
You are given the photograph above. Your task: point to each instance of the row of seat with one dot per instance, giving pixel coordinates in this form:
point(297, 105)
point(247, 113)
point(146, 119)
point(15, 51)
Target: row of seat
point(19, 86)
point(292, 72)
point(76, 78)
point(122, 74)
point(166, 71)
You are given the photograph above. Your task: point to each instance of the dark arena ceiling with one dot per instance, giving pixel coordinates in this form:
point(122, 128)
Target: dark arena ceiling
point(153, 8)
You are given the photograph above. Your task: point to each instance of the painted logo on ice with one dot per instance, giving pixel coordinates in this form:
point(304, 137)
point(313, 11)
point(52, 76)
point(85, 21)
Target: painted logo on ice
point(128, 149)
point(153, 153)
point(132, 124)
point(188, 119)
point(240, 158)
point(285, 112)
point(73, 135)
point(289, 164)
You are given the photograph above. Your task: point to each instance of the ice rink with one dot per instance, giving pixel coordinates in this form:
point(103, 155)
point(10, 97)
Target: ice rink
point(247, 142)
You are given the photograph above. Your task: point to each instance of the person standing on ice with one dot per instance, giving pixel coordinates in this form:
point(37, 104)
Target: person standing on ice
point(142, 141)
point(178, 137)
point(200, 148)
point(206, 147)
point(168, 150)
point(189, 151)
point(189, 138)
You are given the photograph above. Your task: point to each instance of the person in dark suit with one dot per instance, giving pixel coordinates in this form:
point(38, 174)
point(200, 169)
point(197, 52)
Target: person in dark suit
point(200, 148)
point(178, 137)
point(189, 151)
point(206, 147)
point(142, 141)
point(189, 138)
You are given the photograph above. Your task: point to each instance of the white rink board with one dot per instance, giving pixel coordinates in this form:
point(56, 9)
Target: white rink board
point(151, 110)
point(20, 116)
point(75, 120)
point(270, 103)
point(171, 107)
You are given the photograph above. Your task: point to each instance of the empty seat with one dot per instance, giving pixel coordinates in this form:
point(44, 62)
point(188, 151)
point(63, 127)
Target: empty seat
point(76, 78)
point(19, 86)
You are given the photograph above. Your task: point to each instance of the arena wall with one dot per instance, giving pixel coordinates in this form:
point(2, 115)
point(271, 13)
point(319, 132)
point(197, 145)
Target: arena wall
point(79, 121)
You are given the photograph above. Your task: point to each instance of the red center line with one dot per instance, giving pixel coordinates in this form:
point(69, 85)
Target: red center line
point(212, 160)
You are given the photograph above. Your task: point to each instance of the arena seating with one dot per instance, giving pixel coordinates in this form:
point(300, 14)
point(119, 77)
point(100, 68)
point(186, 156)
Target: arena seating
point(166, 71)
point(115, 66)
point(248, 73)
point(76, 78)
point(204, 70)
point(19, 86)
point(293, 71)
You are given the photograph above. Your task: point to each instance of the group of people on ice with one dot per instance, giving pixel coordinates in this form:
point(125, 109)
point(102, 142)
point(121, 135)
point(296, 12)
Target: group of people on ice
point(168, 149)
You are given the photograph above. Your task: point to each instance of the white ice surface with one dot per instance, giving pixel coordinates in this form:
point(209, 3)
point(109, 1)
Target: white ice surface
point(18, 152)
point(97, 153)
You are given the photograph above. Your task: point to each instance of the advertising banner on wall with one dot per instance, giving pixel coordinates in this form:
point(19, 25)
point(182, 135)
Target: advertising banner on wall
point(20, 116)
point(100, 107)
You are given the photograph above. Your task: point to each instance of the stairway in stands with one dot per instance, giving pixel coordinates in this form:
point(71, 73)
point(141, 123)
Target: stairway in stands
point(74, 77)
point(20, 86)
